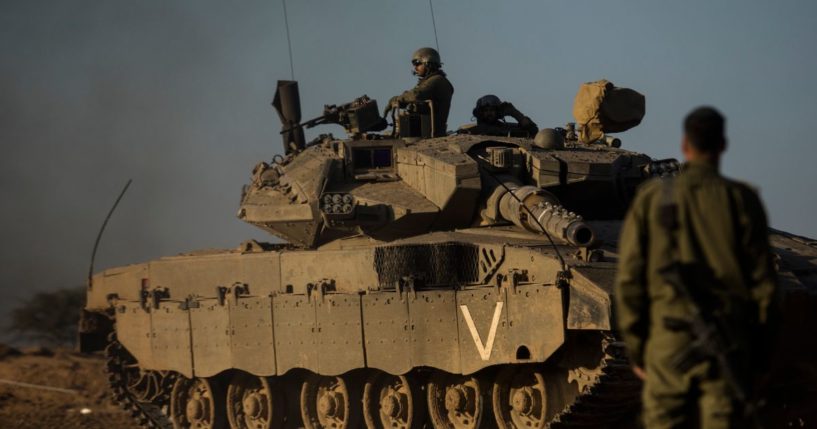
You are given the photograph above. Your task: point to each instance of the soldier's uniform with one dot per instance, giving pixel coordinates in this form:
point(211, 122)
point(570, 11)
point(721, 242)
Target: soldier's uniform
point(435, 87)
point(719, 224)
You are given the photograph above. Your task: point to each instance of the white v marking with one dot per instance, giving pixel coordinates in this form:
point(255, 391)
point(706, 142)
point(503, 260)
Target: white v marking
point(484, 350)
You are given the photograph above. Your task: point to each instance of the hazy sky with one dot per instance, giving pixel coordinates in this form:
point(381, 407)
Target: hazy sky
point(176, 96)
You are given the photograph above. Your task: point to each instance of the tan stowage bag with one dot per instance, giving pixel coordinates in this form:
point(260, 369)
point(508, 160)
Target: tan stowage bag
point(600, 107)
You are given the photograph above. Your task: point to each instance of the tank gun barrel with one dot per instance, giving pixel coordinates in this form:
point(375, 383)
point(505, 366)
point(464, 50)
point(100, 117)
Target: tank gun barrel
point(533, 208)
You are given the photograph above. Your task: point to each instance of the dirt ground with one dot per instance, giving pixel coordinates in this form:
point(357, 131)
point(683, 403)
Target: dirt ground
point(24, 407)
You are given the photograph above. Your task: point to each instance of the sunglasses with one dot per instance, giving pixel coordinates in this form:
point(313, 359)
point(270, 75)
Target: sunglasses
point(416, 63)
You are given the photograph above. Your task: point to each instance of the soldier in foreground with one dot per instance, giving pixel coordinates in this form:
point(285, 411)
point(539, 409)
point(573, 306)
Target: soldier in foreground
point(706, 235)
point(432, 86)
point(490, 113)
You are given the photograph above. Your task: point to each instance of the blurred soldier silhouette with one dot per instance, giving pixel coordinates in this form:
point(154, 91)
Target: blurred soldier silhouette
point(694, 286)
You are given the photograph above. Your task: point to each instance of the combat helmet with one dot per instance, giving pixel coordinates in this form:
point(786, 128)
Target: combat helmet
point(427, 56)
point(486, 101)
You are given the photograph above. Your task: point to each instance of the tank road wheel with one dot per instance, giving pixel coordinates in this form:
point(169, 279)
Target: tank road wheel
point(253, 403)
point(196, 404)
point(330, 402)
point(454, 401)
point(520, 398)
point(392, 402)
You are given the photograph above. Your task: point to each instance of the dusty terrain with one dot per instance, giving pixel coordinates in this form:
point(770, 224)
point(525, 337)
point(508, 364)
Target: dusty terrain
point(30, 407)
point(21, 407)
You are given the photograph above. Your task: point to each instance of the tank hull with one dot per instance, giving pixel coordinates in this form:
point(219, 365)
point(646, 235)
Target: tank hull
point(466, 304)
point(367, 301)
point(442, 312)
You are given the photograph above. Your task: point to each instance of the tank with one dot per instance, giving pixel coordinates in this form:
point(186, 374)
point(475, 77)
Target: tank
point(461, 281)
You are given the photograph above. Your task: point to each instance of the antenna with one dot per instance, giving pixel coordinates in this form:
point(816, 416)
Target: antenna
point(434, 23)
point(102, 229)
point(289, 41)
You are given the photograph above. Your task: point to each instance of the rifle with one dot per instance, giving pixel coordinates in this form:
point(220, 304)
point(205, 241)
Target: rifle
point(712, 339)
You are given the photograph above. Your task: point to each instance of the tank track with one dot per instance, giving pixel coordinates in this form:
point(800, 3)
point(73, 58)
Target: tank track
point(146, 414)
point(614, 395)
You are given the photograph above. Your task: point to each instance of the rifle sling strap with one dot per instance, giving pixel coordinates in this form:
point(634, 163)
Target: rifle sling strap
point(668, 210)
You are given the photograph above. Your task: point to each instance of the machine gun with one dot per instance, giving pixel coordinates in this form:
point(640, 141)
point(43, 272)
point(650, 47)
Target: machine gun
point(712, 339)
point(356, 117)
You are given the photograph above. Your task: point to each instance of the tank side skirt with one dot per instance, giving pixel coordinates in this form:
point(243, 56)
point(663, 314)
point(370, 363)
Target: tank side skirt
point(294, 322)
point(536, 320)
point(171, 338)
point(483, 328)
point(434, 331)
point(133, 327)
point(463, 331)
point(386, 331)
point(339, 332)
point(251, 332)
point(209, 335)
point(456, 331)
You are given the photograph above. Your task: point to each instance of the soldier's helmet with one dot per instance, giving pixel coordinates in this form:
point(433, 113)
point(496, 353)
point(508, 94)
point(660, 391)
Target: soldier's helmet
point(486, 102)
point(427, 56)
point(489, 100)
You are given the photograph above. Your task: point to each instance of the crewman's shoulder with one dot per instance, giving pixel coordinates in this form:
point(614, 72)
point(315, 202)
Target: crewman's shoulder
point(438, 79)
point(740, 185)
point(747, 192)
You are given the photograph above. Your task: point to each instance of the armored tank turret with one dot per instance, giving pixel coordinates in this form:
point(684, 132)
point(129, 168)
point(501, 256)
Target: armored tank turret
point(461, 281)
point(388, 187)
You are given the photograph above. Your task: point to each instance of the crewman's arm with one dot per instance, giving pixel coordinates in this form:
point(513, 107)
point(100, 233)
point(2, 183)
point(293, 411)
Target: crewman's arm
point(632, 301)
point(759, 263)
point(524, 122)
point(424, 90)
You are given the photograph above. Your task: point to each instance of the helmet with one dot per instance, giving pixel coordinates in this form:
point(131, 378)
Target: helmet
point(548, 138)
point(489, 100)
point(427, 56)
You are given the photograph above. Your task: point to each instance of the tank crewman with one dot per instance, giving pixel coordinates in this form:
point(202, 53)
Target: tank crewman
point(490, 113)
point(707, 224)
point(432, 85)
